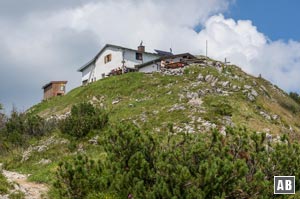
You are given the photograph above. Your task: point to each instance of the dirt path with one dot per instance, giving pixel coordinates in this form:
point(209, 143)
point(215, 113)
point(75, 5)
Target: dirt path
point(30, 189)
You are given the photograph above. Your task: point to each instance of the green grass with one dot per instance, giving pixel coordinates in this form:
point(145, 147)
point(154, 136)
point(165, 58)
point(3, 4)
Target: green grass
point(146, 99)
point(4, 185)
point(16, 195)
point(149, 97)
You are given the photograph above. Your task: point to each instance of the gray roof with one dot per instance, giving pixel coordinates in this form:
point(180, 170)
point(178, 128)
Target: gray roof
point(163, 53)
point(164, 57)
point(100, 52)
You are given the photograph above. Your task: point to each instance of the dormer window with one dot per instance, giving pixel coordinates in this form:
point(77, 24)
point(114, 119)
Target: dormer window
point(139, 56)
point(107, 58)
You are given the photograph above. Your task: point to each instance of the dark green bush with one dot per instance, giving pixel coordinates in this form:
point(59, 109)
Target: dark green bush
point(20, 127)
point(139, 165)
point(295, 96)
point(77, 179)
point(294, 108)
point(222, 108)
point(84, 117)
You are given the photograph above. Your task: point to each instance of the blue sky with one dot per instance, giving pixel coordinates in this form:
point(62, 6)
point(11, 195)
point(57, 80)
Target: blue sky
point(42, 41)
point(278, 19)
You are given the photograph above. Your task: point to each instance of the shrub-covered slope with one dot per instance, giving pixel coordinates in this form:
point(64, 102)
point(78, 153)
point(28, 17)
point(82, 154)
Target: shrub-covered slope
point(159, 136)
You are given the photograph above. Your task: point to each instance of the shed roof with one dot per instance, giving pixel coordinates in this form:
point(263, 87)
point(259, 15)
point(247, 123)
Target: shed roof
point(54, 82)
point(99, 53)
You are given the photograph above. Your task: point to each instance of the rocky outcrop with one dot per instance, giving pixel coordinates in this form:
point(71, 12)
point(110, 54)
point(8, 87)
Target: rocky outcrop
point(43, 146)
point(176, 72)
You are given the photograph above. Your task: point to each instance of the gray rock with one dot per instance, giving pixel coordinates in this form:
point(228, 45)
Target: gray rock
point(201, 93)
point(210, 63)
point(44, 161)
point(192, 95)
point(176, 107)
point(248, 87)
point(195, 84)
point(223, 130)
point(181, 97)
point(115, 101)
point(269, 137)
point(200, 77)
point(225, 84)
point(94, 140)
point(209, 78)
point(155, 112)
point(236, 77)
point(189, 129)
point(196, 102)
point(250, 97)
point(265, 115)
point(254, 93)
point(275, 117)
point(263, 88)
point(214, 82)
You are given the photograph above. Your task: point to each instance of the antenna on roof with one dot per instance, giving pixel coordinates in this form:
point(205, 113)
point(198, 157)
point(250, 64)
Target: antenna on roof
point(171, 50)
point(141, 43)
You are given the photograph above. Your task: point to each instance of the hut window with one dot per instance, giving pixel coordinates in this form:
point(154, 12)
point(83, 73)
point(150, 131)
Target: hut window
point(139, 56)
point(62, 88)
point(107, 58)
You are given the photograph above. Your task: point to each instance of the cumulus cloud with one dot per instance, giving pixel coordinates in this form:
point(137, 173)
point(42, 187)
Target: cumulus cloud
point(48, 42)
point(244, 45)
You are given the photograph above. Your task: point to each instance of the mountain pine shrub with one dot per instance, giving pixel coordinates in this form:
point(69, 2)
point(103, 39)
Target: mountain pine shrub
point(143, 165)
point(84, 117)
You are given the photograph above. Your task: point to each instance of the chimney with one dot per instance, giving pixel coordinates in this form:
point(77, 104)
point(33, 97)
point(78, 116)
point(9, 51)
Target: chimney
point(141, 48)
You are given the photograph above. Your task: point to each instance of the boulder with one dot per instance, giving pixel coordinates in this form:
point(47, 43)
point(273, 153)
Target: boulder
point(200, 77)
point(209, 78)
point(214, 82)
point(176, 107)
point(195, 102)
point(225, 84)
point(192, 95)
point(250, 97)
point(254, 93)
point(248, 87)
point(265, 115)
point(115, 101)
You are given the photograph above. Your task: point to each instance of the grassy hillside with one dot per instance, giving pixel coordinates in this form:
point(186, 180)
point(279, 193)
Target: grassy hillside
point(201, 98)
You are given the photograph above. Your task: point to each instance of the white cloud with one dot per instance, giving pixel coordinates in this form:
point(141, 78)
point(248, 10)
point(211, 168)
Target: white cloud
point(51, 45)
point(245, 46)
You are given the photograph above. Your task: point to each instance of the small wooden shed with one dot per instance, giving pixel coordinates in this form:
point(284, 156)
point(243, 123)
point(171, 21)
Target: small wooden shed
point(54, 88)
